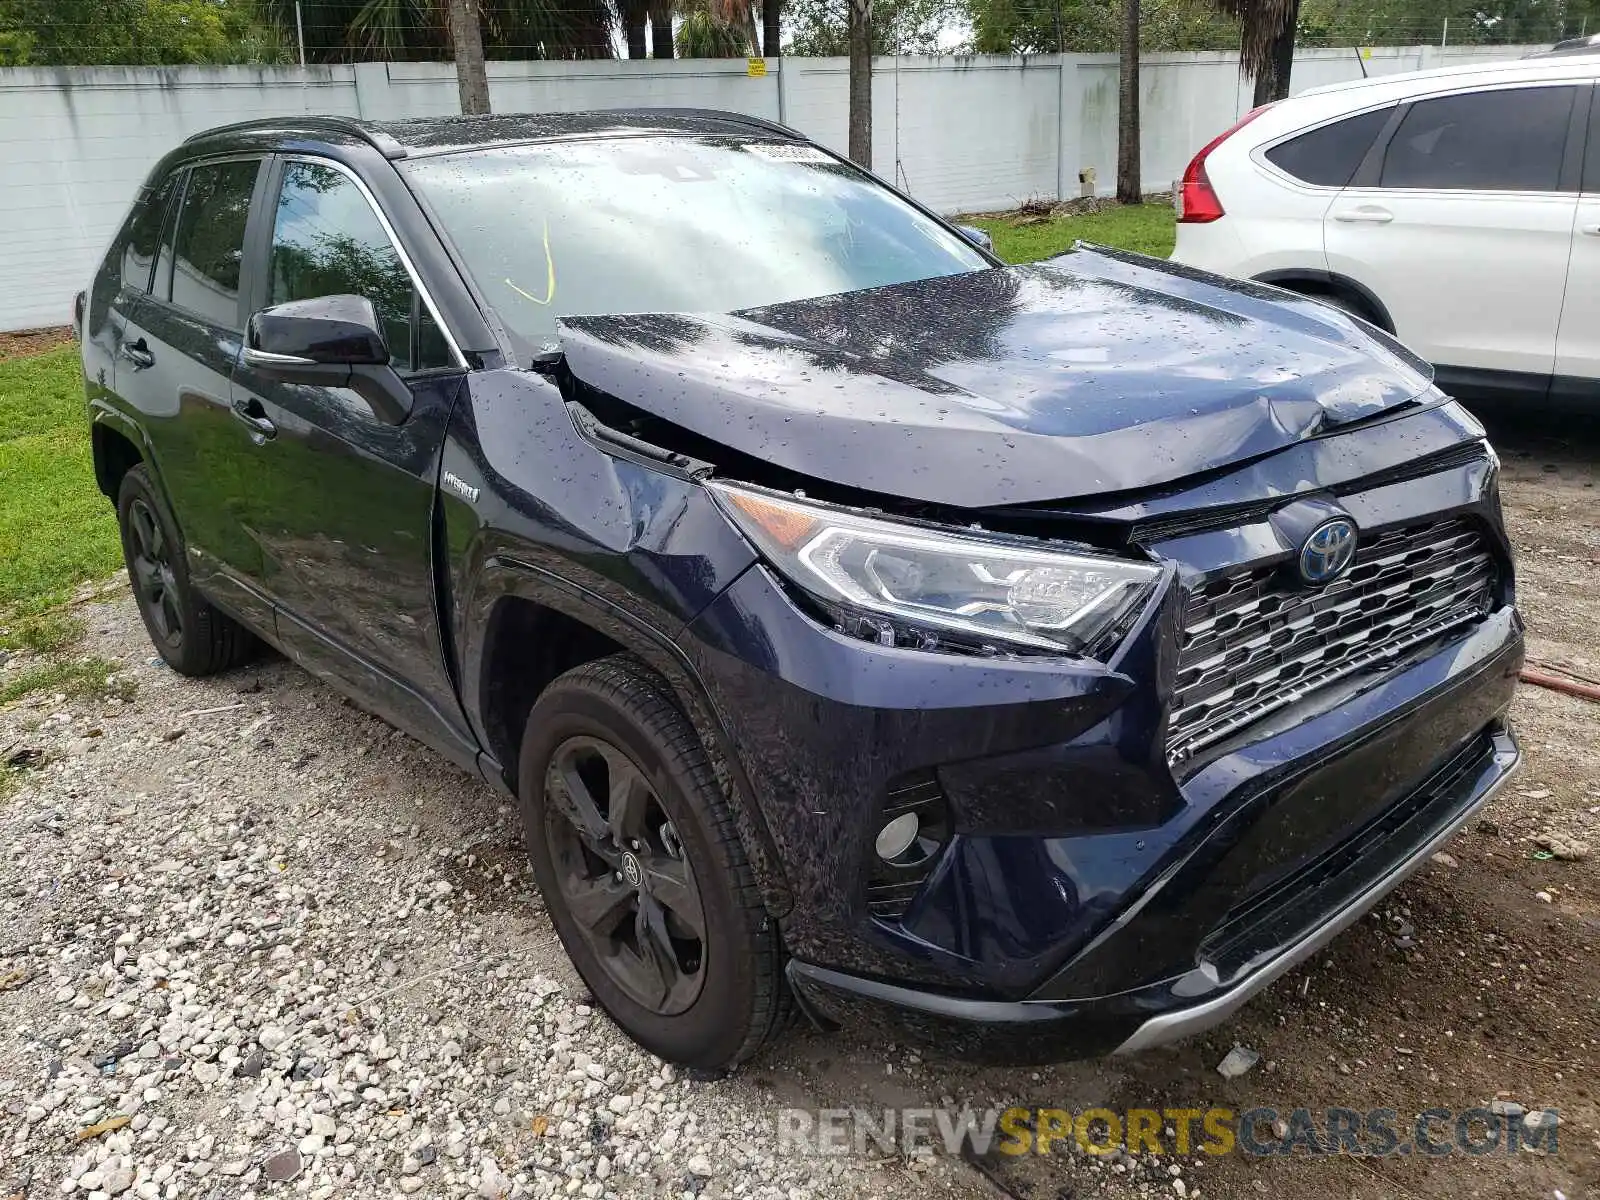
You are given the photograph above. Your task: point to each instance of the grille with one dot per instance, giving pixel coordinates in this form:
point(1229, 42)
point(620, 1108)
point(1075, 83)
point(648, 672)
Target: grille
point(1254, 642)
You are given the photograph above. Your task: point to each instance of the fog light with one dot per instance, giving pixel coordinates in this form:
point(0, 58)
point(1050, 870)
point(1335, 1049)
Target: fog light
point(895, 838)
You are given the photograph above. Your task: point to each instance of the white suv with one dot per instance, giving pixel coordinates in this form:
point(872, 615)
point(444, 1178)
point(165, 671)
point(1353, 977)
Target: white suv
point(1458, 209)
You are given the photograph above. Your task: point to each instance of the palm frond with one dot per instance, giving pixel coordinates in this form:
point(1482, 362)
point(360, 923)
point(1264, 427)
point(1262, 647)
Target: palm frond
point(1261, 23)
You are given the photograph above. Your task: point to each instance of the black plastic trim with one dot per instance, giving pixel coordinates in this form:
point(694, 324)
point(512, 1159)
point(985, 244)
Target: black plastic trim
point(1334, 281)
point(1483, 383)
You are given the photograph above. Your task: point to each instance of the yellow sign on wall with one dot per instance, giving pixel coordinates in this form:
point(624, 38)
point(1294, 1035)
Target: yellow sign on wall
point(757, 68)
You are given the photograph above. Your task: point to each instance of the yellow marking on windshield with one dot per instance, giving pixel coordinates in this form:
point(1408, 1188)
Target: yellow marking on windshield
point(550, 275)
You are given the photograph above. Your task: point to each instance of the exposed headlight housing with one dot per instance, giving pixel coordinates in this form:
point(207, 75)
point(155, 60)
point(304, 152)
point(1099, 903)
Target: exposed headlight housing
point(936, 588)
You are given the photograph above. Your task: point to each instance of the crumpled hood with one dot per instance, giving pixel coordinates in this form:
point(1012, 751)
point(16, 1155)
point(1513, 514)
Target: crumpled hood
point(1094, 372)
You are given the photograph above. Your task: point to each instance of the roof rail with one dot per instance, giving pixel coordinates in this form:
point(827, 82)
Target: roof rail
point(381, 142)
point(722, 115)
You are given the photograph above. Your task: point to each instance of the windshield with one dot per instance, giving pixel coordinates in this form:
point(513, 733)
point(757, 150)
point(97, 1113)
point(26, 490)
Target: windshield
point(673, 224)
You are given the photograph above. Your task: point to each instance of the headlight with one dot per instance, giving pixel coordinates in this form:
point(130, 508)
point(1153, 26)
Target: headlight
point(911, 585)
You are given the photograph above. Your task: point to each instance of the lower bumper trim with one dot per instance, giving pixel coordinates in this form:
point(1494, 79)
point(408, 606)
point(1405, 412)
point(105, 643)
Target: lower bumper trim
point(1040, 1030)
point(1184, 1022)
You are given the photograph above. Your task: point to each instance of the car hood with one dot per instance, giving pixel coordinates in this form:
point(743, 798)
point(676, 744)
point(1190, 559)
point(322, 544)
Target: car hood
point(1094, 372)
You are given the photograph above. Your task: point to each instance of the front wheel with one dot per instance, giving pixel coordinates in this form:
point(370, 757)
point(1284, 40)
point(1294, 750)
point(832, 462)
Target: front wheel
point(634, 849)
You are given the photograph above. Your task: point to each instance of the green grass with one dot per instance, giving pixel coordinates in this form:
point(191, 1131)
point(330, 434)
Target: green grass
point(1146, 228)
point(43, 633)
point(73, 677)
point(56, 529)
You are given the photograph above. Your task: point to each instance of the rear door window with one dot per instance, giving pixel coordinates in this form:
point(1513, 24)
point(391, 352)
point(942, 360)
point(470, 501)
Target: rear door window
point(1329, 156)
point(208, 245)
point(1591, 154)
point(1505, 140)
point(144, 236)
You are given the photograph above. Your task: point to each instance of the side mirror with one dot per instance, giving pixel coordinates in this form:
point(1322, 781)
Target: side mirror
point(330, 341)
point(330, 330)
point(977, 237)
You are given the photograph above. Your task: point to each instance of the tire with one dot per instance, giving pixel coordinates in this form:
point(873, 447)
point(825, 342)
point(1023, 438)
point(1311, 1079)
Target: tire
point(192, 635)
point(612, 728)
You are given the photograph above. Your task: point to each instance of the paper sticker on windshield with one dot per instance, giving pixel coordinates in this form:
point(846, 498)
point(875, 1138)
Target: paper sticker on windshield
point(789, 152)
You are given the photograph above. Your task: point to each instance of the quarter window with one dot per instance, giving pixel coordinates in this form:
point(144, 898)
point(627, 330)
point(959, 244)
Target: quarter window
point(144, 236)
point(1329, 156)
point(1509, 139)
point(208, 248)
point(327, 241)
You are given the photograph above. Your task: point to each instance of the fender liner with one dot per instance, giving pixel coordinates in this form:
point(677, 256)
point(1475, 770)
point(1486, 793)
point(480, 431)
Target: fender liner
point(1332, 281)
point(506, 576)
point(114, 419)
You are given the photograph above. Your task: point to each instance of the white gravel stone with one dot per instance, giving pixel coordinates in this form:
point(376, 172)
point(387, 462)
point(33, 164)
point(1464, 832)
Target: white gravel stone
point(281, 992)
point(492, 1182)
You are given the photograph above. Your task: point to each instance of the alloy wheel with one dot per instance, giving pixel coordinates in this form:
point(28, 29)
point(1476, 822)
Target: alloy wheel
point(153, 578)
point(623, 874)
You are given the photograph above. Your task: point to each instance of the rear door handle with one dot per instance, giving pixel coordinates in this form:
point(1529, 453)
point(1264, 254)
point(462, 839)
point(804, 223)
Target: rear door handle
point(138, 354)
point(1368, 215)
point(254, 418)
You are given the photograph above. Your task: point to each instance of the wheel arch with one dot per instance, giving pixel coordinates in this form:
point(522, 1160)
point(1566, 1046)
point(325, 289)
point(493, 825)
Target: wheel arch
point(1308, 281)
point(118, 445)
point(534, 627)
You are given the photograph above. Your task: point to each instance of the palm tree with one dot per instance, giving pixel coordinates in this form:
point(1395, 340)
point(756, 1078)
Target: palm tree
point(661, 28)
point(466, 39)
point(771, 20)
point(704, 34)
point(360, 30)
point(1266, 46)
point(861, 83)
point(1129, 190)
point(634, 14)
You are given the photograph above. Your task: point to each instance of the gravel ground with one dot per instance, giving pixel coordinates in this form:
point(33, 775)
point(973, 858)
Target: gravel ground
point(248, 932)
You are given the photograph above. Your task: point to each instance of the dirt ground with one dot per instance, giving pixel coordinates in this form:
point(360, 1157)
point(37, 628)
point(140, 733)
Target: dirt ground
point(33, 341)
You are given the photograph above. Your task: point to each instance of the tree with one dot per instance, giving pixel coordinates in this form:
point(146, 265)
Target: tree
point(1129, 190)
point(821, 28)
point(135, 32)
point(634, 14)
point(466, 37)
point(861, 83)
point(771, 32)
point(661, 28)
point(1266, 43)
point(705, 34)
point(1093, 26)
point(419, 30)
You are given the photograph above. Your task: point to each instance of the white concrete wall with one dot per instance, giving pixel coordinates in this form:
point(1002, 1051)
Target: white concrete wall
point(962, 134)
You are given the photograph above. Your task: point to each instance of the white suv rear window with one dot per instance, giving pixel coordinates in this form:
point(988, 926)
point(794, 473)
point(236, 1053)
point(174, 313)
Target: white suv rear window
point(1328, 156)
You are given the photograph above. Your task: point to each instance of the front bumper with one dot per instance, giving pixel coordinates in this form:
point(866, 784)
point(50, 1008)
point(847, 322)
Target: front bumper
point(1041, 1030)
point(1088, 894)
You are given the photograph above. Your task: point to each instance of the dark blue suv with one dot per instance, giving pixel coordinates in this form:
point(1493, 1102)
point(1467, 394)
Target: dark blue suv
point(1045, 658)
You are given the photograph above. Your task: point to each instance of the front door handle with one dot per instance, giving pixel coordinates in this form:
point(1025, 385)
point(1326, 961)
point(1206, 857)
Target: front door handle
point(138, 354)
point(1366, 215)
point(1590, 230)
point(254, 418)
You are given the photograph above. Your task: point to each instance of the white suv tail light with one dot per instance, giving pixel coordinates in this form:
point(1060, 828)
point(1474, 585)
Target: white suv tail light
point(1196, 199)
